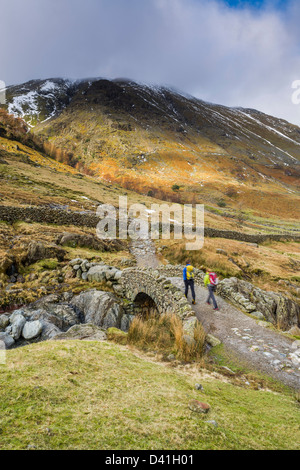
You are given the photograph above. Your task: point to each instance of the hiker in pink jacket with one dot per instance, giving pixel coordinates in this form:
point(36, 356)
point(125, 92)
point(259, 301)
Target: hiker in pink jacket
point(211, 282)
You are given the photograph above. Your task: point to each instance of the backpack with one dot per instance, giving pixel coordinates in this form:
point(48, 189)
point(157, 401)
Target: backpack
point(213, 279)
point(189, 273)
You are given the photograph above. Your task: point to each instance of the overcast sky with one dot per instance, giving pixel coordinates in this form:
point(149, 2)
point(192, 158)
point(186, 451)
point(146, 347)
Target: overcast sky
point(236, 53)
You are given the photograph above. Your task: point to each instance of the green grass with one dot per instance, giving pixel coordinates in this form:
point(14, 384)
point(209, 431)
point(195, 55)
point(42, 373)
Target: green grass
point(91, 395)
point(224, 358)
point(49, 264)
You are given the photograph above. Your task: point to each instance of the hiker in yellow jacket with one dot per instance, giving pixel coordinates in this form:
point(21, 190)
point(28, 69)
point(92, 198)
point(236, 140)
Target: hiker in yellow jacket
point(188, 277)
point(211, 282)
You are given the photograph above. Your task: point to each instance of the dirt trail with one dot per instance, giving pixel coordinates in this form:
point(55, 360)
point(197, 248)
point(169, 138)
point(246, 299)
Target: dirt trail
point(144, 253)
point(262, 349)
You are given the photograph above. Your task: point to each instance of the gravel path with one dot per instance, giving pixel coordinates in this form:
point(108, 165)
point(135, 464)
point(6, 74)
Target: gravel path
point(144, 253)
point(263, 349)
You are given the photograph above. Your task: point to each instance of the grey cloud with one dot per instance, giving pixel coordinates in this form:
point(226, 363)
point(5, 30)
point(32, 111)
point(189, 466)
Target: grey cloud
point(232, 57)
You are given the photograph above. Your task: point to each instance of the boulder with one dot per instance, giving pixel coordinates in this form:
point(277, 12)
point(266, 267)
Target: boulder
point(189, 325)
point(275, 308)
point(54, 312)
point(82, 240)
point(75, 261)
point(221, 252)
point(100, 308)
point(101, 272)
point(32, 329)
point(110, 273)
point(126, 322)
point(17, 322)
point(15, 314)
point(287, 311)
point(198, 407)
point(7, 339)
point(49, 331)
point(38, 251)
point(61, 315)
point(85, 266)
point(258, 315)
point(97, 273)
point(83, 332)
point(212, 340)
point(4, 321)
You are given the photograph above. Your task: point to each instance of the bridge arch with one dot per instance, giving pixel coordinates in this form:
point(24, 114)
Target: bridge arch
point(145, 305)
point(147, 288)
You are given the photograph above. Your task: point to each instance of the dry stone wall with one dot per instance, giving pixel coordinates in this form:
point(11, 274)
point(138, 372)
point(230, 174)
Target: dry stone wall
point(47, 215)
point(44, 214)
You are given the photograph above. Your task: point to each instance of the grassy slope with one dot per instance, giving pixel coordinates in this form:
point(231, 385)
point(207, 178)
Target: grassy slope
point(28, 177)
point(90, 395)
point(98, 395)
point(264, 266)
point(151, 141)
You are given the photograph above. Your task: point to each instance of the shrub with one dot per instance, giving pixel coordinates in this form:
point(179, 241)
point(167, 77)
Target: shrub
point(116, 335)
point(50, 264)
point(221, 203)
point(231, 192)
point(165, 334)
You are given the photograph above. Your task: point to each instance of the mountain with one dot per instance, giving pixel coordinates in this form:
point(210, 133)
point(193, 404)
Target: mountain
point(163, 143)
point(46, 178)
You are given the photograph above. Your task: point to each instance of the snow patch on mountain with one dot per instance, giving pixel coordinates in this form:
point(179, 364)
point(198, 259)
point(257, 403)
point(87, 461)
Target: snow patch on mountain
point(270, 128)
point(39, 100)
point(24, 102)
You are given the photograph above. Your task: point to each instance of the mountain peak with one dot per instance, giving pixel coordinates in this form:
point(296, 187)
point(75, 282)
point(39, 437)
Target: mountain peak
point(152, 137)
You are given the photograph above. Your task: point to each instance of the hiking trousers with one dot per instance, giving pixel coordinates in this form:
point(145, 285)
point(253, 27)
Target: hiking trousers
point(211, 296)
point(190, 284)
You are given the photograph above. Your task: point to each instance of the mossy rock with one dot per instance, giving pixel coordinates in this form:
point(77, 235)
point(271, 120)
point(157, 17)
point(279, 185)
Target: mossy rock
point(49, 264)
point(116, 335)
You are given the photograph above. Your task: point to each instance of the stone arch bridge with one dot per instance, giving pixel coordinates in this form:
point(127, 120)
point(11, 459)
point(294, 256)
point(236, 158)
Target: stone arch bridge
point(161, 290)
point(152, 290)
point(143, 290)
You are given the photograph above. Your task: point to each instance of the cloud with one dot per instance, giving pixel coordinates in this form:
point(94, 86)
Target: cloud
point(233, 56)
